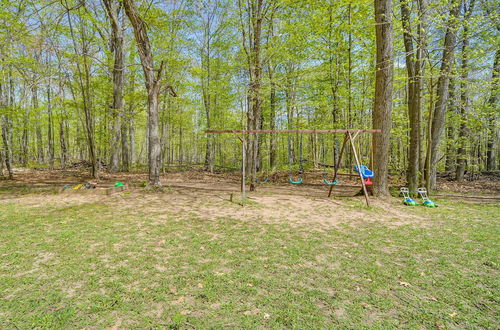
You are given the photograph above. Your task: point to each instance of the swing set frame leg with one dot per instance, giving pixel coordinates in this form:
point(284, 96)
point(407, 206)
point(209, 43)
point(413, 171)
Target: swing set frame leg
point(338, 164)
point(350, 137)
point(243, 169)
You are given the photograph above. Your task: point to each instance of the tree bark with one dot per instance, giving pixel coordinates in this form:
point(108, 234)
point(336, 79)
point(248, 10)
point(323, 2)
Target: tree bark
point(464, 97)
point(333, 77)
point(491, 162)
point(413, 67)
point(63, 128)
point(450, 130)
point(38, 128)
point(438, 117)
point(206, 79)
point(421, 51)
point(25, 138)
point(382, 110)
point(252, 46)
point(113, 10)
point(7, 148)
point(272, 118)
point(84, 85)
point(50, 127)
point(152, 86)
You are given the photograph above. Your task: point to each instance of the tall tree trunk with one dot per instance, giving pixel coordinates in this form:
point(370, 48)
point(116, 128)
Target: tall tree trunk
point(442, 93)
point(382, 109)
point(207, 92)
point(62, 143)
point(84, 85)
point(333, 77)
point(491, 163)
point(153, 87)
point(50, 127)
point(25, 137)
point(5, 126)
point(421, 50)
point(272, 118)
point(129, 122)
point(63, 138)
point(2, 157)
point(131, 136)
point(349, 82)
point(252, 46)
point(413, 64)
point(124, 130)
point(450, 130)
point(7, 146)
point(272, 102)
point(38, 128)
point(113, 9)
point(464, 97)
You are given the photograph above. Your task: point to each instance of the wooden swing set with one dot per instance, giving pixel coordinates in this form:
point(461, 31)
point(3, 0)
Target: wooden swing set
point(349, 135)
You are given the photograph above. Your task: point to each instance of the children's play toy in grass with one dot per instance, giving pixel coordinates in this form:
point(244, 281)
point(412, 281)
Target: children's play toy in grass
point(407, 199)
point(426, 201)
point(117, 187)
point(119, 184)
point(80, 186)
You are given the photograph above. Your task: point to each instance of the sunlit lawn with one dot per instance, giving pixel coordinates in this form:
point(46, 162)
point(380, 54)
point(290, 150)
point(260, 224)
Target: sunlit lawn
point(92, 265)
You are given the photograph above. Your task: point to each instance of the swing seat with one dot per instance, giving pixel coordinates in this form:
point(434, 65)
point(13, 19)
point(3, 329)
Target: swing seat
point(330, 183)
point(299, 181)
point(365, 171)
point(259, 181)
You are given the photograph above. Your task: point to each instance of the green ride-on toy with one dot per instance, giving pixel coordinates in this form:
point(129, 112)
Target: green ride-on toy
point(408, 201)
point(426, 201)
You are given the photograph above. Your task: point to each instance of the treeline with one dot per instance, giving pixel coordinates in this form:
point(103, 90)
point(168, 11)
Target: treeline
point(136, 83)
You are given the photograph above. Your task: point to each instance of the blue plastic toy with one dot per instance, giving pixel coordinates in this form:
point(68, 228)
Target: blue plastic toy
point(366, 173)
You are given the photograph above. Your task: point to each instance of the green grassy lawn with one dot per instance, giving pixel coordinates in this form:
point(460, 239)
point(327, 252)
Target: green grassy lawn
point(92, 265)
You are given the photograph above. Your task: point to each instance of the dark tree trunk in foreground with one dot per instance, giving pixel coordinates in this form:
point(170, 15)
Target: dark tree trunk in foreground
point(383, 95)
point(272, 119)
point(450, 162)
point(5, 131)
point(153, 88)
point(50, 128)
point(413, 68)
point(113, 10)
point(252, 46)
point(206, 81)
point(493, 108)
point(442, 94)
point(464, 97)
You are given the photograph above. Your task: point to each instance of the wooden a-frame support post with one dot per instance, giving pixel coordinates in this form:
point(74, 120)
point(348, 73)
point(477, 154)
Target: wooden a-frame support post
point(243, 168)
point(350, 137)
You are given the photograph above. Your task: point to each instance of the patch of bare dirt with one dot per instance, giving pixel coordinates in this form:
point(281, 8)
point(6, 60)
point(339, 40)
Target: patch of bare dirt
point(205, 195)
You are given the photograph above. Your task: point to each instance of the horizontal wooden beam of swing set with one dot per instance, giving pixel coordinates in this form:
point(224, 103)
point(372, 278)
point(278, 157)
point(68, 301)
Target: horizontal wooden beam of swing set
point(306, 131)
